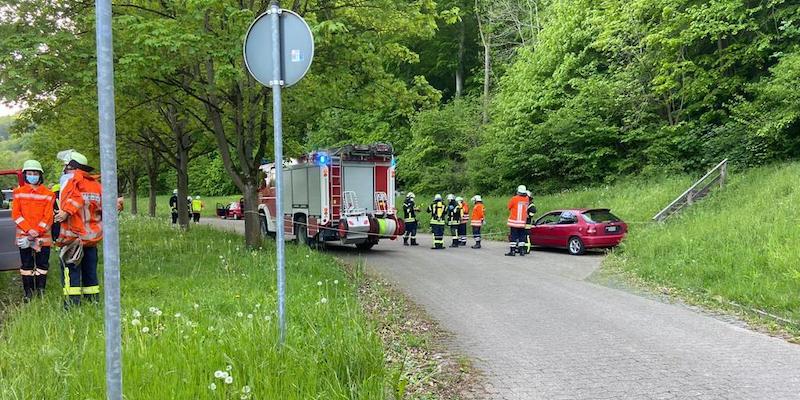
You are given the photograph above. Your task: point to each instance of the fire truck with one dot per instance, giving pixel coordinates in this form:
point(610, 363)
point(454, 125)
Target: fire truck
point(343, 194)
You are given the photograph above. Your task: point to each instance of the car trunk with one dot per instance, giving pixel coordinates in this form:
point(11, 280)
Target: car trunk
point(604, 222)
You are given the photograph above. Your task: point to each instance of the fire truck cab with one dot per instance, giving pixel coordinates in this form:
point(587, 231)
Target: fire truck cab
point(343, 194)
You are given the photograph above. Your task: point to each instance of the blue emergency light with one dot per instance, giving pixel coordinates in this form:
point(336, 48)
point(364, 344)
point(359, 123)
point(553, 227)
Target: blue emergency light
point(321, 158)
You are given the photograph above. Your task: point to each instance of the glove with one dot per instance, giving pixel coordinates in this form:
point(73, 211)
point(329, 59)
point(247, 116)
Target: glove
point(33, 233)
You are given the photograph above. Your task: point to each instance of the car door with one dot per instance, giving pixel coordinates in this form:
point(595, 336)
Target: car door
point(542, 231)
point(9, 254)
point(563, 230)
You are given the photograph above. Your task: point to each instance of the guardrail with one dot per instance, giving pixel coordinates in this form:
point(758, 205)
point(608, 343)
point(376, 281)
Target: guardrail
point(700, 189)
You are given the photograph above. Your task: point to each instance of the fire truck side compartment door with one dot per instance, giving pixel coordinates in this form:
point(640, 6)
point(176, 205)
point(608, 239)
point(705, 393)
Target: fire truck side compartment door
point(361, 180)
point(300, 188)
point(313, 190)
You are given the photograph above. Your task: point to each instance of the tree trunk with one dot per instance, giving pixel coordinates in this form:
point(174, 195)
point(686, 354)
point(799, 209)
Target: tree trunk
point(460, 66)
point(252, 226)
point(134, 189)
point(183, 188)
point(152, 180)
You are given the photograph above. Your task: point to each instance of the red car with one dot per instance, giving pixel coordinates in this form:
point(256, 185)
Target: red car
point(578, 229)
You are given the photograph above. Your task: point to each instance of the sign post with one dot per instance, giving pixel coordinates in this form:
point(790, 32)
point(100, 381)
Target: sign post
point(278, 50)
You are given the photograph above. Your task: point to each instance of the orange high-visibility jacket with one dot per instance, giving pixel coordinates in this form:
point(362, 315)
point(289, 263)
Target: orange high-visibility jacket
point(81, 199)
point(517, 211)
point(464, 212)
point(477, 216)
point(32, 208)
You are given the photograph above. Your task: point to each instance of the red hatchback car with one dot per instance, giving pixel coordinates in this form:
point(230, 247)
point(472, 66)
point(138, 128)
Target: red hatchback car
point(578, 229)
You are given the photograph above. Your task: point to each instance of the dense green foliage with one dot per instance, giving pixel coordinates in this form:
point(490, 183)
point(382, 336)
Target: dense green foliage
point(196, 303)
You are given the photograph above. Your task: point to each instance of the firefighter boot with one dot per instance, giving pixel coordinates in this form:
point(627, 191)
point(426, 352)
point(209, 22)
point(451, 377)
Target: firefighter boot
point(27, 288)
point(41, 283)
point(512, 251)
point(521, 249)
point(405, 240)
point(455, 243)
point(414, 241)
point(477, 245)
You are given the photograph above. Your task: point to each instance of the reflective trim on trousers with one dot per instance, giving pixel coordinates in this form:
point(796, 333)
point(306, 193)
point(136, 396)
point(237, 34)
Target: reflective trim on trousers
point(90, 290)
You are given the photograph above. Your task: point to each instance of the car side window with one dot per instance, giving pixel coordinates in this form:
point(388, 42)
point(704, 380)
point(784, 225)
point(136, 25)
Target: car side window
point(548, 219)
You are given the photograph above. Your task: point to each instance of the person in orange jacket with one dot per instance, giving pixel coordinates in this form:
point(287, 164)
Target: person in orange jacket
point(80, 214)
point(517, 214)
point(32, 211)
point(462, 227)
point(477, 220)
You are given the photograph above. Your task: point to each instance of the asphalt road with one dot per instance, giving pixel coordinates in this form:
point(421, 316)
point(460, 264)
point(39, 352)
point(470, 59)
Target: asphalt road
point(539, 330)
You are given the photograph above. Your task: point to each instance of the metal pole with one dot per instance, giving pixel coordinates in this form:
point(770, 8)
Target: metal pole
point(276, 84)
point(108, 168)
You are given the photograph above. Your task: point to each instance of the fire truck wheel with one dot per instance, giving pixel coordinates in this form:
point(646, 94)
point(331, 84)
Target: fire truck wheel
point(302, 230)
point(264, 227)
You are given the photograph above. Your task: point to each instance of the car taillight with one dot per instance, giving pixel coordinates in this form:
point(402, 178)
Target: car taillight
point(592, 230)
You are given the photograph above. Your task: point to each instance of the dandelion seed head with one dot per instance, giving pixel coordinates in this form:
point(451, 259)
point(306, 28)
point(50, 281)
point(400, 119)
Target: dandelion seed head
point(145, 329)
point(212, 386)
point(249, 316)
point(319, 283)
point(178, 315)
point(323, 300)
point(246, 389)
point(219, 374)
point(158, 313)
point(136, 314)
point(153, 310)
point(336, 282)
point(136, 322)
point(228, 380)
point(240, 314)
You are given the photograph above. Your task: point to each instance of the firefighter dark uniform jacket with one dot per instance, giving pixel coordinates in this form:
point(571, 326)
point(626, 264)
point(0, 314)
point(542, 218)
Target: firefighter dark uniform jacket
point(409, 211)
point(530, 216)
point(453, 213)
point(438, 212)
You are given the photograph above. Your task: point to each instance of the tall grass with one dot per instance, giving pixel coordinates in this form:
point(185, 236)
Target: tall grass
point(193, 304)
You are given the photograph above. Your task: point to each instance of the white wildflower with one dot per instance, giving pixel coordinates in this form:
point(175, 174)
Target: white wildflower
point(335, 281)
point(319, 283)
point(249, 316)
point(219, 374)
point(136, 314)
point(158, 313)
point(258, 305)
point(145, 329)
point(229, 367)
point(212, 386)
point(196, 306)
point(267, 318)
point(323, 300)
point(228, 380)
point(240, 314)
point(153, 310)
point(178, 315)
point(135, 322)
point(245, 389)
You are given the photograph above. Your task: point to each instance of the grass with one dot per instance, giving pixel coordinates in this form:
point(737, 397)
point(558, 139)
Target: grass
point(738, 245)
point(207, 305)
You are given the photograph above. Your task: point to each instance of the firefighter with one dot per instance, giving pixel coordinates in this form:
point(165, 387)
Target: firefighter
point(529, 222)
point(197, 206)
point(410, 210)
point(517, 211)
point(438, 213)
point(462, 226)
point(173, 206)
point(80, 204)
point(55, 230)
point(477, 220)
point(32, 211)
point(453, 218)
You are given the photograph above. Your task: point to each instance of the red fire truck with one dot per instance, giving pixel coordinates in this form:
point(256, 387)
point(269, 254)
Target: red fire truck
point(343, 194)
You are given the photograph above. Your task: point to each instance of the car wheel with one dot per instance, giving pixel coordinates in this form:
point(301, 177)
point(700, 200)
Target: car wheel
point(575, 246)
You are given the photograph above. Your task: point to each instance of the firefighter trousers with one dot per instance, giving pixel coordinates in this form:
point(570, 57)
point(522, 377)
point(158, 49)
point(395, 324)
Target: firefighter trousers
point(438, 236)
point(35, 265)
point(462, 233)
point(81, 279)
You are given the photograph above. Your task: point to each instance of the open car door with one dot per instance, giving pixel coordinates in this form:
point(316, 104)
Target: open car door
point(9, 254)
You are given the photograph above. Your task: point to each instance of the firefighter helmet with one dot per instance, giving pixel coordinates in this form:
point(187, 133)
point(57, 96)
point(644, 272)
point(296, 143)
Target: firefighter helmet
point(32, 165)
point(521, 189)
point(437, 197)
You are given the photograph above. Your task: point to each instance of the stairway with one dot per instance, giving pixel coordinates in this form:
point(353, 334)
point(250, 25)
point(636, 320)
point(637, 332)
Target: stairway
point(715, 177)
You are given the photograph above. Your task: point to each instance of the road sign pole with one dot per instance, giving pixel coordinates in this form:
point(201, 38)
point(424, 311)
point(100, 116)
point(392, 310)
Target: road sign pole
point(276, 84)
point(108, 170)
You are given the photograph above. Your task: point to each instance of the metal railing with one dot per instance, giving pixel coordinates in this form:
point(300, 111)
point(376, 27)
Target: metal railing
point(700, 189)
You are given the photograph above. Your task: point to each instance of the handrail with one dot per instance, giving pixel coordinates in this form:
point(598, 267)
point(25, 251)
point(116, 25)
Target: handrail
point(658, 217)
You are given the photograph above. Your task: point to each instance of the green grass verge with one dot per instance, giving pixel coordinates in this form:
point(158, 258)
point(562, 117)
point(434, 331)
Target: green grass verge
point(162, 204)
point(195, 303)
point(739, 245)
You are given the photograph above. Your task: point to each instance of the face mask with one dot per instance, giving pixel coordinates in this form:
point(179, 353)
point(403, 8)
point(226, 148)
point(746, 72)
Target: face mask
point(32, 179)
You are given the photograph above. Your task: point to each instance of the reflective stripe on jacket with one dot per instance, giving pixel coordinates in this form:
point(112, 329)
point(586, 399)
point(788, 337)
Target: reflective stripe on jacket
point(464, 212)
point(437, 211)
point(517, 211)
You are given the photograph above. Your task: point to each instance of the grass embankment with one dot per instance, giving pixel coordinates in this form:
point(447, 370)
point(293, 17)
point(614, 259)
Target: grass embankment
point(162, 204)
point(196, 303)
point(739, 245)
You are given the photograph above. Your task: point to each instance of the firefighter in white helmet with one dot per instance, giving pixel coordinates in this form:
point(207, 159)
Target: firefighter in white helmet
point(410, 210)
point(438, 212)
point(197, 207)
point(453, 218)
point(32, 211)
point(173, 206)
point(476, 220)
point(517, 213)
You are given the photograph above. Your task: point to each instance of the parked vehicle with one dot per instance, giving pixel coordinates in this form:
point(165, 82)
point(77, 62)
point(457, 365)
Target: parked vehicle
point(9, 254)
point(232, 210)
point(578, 230)
point(344, 194)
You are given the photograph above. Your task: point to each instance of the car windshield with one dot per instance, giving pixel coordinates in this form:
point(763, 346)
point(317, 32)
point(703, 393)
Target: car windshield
point(599, 216)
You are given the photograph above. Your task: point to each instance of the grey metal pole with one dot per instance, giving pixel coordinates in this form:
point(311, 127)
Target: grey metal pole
point(276, 84)
point(108, 168)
